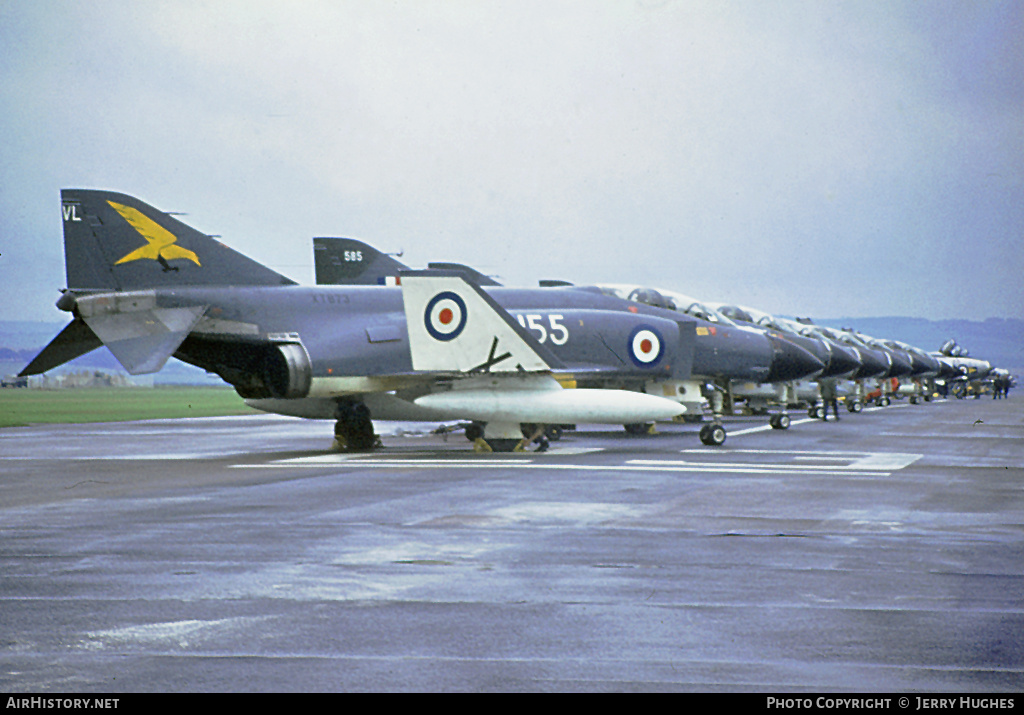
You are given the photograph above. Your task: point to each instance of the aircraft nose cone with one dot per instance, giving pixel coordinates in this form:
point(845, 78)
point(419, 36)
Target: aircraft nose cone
point(922, 365)
point(843, 361)
point(901, 366)
point(790, 362)
point(872, 364)
point(947, 369)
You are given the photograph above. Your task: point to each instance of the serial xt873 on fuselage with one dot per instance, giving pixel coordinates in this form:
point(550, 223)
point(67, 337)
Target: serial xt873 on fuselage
point(149, 287)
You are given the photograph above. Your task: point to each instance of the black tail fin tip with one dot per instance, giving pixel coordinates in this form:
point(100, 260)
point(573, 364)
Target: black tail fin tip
point(349, 261)
point(115, 242)
point(468, 272)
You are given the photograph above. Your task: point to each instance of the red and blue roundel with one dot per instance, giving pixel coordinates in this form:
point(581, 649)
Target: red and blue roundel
point(445, 316)
point(646, 346)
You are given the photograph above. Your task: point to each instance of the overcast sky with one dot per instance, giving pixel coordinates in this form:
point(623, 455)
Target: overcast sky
point(814, 158)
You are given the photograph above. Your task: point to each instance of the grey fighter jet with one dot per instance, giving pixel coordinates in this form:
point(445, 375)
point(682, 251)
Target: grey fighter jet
point(962, 375)
point(757, 395)
point(724, 353)
point(438, 347)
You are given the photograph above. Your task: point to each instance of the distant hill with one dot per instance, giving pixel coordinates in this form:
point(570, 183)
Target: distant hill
point(27, 334)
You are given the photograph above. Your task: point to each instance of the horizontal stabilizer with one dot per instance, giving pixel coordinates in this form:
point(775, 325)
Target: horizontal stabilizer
point(454, 326)
point(75, 340)
point(141, 335)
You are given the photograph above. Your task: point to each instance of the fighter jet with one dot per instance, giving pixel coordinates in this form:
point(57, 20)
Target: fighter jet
point(963, 375)
point(757, 395)
point(841, 361)
point(724, 352)
point(925, 369)
point(436, 347)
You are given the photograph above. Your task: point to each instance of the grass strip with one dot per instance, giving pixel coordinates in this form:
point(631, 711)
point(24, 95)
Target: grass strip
point(19, 407)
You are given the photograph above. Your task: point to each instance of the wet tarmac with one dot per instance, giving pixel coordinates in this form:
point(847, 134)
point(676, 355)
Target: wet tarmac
point(883, 553)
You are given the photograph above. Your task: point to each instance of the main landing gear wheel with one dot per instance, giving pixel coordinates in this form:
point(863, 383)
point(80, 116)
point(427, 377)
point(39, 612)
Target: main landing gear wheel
point(638, 429)
point(779, 421)
point(497, 437)
point(353, 430)
point(474, 432)
point(497, 444)
point(712, 435)
point(533, 434)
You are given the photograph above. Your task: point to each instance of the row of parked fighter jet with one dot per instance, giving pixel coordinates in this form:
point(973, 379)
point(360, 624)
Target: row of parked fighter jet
point(866, 369)
point(376, 340)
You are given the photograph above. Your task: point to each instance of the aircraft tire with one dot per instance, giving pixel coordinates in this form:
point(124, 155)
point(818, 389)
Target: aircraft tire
point(780, 421)
point(712, 435)
point(354, 428)
point(553, 432)
point(637, 429)
point(503, 444)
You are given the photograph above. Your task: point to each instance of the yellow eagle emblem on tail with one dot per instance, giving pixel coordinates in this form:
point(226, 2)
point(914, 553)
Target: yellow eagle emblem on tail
point(160, 243)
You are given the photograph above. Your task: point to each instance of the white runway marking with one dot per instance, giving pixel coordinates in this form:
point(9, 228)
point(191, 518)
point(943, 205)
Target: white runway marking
point(766, 427)
point(866, 464)
point(857, 460)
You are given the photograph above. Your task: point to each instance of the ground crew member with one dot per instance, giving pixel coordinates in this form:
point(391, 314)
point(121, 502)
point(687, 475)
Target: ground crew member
point(829, 395)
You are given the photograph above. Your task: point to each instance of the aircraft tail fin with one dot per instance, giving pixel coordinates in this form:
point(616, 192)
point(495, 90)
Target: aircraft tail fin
point(471, 274)
point(115, 242)
point(454, 326)
point(349, 261)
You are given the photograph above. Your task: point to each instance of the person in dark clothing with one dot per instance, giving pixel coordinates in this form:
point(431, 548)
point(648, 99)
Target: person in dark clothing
point(829, 395)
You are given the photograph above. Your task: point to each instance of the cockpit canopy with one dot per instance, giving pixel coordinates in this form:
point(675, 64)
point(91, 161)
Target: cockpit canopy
point(668, 299)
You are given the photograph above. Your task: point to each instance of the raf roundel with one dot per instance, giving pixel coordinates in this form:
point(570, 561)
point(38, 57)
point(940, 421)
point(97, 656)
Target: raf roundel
point(646, 346)
point(445, 316)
